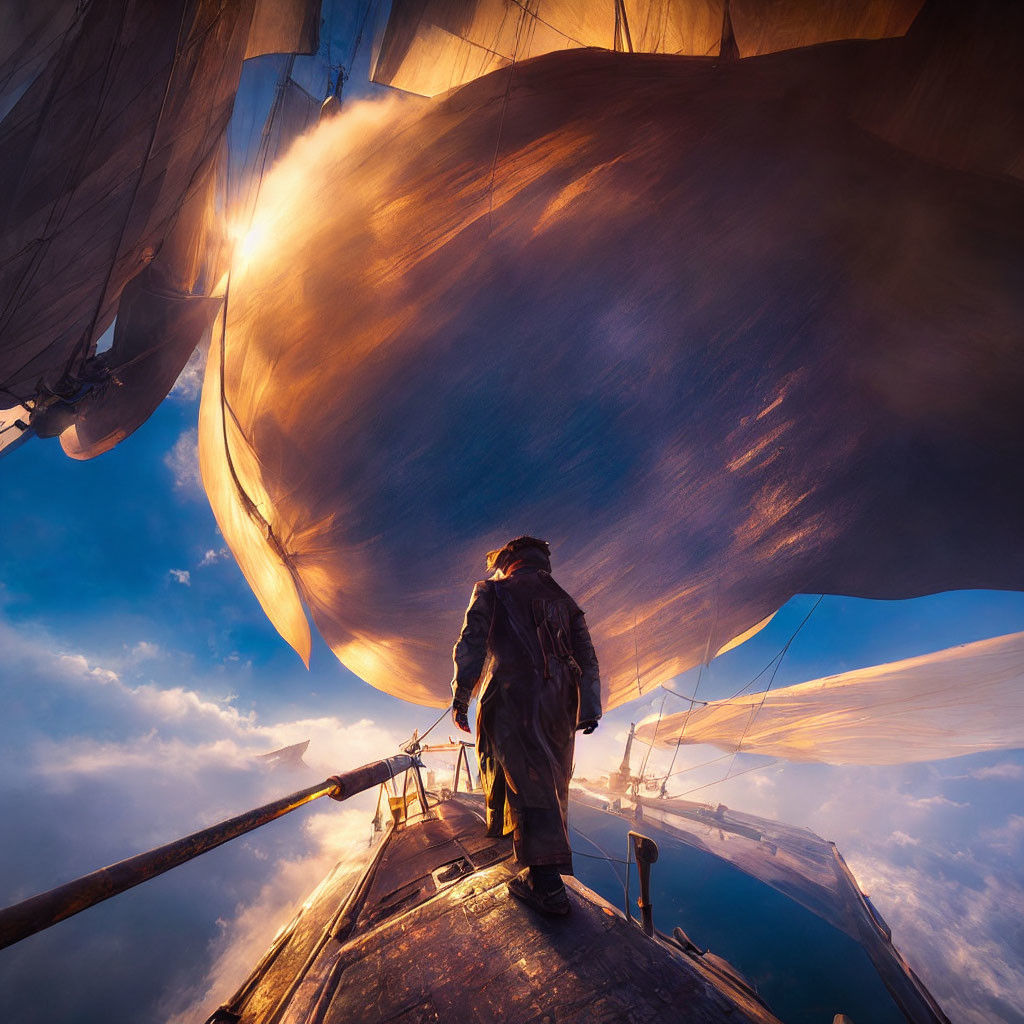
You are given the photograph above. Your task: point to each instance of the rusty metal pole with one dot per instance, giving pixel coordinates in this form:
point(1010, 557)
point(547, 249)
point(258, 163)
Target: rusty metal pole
point(646, 852)
point(38, 912)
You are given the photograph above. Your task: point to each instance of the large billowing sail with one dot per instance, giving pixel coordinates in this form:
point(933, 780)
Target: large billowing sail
point(31, 32)
point(97, 157)
point(690, 323)
point(101, 155)
point(225, 459)
point(430, 46)
point(963, 700)
point(163, 314)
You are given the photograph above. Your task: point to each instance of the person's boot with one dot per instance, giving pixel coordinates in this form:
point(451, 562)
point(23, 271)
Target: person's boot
point(541, 888)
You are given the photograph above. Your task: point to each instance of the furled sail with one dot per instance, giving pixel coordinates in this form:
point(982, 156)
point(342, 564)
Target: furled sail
point(691, 323)
point(430, 46)
point(168, 309)
point(963, 700)
point(97, 157)
point(155, 334)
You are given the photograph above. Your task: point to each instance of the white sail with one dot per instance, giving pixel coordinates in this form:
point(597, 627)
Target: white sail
point(963, 700)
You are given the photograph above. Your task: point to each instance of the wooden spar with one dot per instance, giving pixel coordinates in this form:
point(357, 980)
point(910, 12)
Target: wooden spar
point(38, 912)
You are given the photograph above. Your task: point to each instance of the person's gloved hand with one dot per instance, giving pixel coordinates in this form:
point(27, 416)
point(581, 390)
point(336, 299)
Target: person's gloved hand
point(588, 726)
point(460, 715)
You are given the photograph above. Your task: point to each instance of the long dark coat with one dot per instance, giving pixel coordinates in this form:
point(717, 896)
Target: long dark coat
point(541, 679)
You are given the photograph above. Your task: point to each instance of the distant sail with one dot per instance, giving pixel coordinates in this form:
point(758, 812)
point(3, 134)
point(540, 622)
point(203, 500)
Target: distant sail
point(693, 324)
point(285, 757)
point(430, 46)
point(963, 700)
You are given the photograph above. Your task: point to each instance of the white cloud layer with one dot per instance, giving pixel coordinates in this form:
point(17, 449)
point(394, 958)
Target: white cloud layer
point(97, 763)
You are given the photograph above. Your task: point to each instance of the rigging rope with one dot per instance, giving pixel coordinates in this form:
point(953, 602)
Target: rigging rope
point(636, 655)
point(440, 718)
point(776, 661)
point(718, 782)
point(712, 626)
point(501, 119)
point(694, 767)
point(605, 855)
point(650, 746)
point(85, 341)
point(764, 696)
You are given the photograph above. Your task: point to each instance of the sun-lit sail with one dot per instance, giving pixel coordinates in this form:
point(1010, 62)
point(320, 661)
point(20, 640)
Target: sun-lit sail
point(223, 452)
point(963, 700)
point(431, 46)
point(108, 155)
point(693, 324)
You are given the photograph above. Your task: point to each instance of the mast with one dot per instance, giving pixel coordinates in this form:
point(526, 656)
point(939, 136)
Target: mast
point(624, 767)
point(620, 780)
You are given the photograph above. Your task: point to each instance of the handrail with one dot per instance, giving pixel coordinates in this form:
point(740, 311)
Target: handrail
point(38, 912)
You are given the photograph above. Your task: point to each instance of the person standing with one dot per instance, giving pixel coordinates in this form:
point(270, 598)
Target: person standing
point(527, 639)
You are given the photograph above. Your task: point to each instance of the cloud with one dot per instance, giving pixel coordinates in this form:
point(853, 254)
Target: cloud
point(922, 803)
point(212, 557)
point(338, 841)
point(1005, 770)
point(961, 933)
point(902, 839)
point(190, 380)
point(144, 650)
point(183, 462)
point(182, 576)
point(121, 764)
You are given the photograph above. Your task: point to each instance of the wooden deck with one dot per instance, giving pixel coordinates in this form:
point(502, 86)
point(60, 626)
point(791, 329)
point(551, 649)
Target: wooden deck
point(429, 933)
